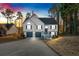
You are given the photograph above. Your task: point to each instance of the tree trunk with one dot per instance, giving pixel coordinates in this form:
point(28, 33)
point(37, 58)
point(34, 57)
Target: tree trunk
point(75, 23)
point(7, 20)
point(58, 21)
point(65, 25)
point(71, 23)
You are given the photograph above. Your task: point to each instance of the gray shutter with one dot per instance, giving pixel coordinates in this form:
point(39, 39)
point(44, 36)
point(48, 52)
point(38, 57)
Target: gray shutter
point(31, 26)
point(41, 27)
point(50, 27)
point(26, 26)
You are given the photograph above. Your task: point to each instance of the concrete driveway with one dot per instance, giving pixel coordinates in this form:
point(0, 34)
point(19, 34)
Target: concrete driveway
point(26, 47)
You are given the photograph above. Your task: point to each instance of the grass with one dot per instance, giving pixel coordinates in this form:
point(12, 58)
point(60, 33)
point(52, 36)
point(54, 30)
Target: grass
point(67, 45)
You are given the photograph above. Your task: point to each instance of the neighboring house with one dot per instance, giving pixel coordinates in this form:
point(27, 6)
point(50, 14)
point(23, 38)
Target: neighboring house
point(40, 27)
point(6, 29)
point(12, 29)
point(3, 30)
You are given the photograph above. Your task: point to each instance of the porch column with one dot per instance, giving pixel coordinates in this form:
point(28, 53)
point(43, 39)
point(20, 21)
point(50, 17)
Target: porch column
point(33, 34)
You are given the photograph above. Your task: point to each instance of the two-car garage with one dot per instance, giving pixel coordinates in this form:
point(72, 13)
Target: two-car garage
point(31, 34)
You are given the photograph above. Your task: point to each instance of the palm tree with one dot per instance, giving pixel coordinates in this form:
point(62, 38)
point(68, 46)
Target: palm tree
point(8, 13)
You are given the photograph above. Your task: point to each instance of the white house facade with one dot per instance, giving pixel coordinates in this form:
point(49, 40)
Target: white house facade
point(40, 27)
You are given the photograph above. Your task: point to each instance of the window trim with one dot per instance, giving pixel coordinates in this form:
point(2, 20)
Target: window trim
point(39, 27)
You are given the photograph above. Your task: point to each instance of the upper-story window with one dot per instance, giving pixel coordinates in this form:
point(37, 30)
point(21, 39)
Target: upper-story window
point(39, 27)
point(29, 23)
point(53, 27)
point(28, 26)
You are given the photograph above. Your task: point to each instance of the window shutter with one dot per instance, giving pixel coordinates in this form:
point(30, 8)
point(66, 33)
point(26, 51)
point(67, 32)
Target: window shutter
point(31, 26)
point(26, 26)
point(50, 27)
point(41, 26)
point(55, 26)
point(36, 27)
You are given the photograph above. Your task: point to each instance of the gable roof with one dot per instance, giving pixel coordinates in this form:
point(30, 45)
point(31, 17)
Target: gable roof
point(48, 20)
point(7, 26)
point(26, 19)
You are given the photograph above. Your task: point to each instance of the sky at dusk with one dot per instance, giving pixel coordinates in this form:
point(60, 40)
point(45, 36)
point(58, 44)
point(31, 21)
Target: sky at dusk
point(41, 9)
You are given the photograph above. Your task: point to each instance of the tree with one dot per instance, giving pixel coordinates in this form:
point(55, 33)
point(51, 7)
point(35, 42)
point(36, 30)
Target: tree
point(54, 11)
point(20, 18)
point(28, 15)
point(71, 10)
point(68, 10)
point(8, 13)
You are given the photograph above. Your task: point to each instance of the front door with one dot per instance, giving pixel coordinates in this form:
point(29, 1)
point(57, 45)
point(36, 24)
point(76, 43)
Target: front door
point(46, 30)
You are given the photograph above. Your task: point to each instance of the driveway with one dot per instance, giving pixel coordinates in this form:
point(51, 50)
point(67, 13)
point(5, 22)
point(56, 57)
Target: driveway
point(26, 47)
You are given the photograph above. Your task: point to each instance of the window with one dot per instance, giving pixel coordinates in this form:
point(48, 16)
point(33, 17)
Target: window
point(39, 27)
point(52, 27)
point(28, 27)
point(52, 33)
point(28, 23)
point(46, 26)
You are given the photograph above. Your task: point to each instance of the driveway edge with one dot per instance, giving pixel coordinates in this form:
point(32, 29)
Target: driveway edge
point(52, 49)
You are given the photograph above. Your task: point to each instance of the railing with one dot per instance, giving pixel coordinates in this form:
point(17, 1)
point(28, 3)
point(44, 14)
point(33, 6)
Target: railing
point(45, 35)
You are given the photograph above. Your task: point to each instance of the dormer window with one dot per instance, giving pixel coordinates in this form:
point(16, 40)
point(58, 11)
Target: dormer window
point(28, 23)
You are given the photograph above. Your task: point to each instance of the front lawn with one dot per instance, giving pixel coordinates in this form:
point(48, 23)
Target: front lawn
point(67, 45)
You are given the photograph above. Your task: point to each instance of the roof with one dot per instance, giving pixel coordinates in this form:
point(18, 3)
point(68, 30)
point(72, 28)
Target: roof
point(8, 26)
point(44, 20)
point(26, 20)
point(48, 20)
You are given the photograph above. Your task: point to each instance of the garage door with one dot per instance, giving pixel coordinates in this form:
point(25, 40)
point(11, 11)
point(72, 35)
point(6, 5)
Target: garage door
point(29, 34)
point(38, 34)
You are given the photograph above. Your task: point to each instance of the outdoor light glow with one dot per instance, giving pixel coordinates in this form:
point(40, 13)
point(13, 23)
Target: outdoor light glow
point(46, 26)
point(33, 39)
point(58, 38)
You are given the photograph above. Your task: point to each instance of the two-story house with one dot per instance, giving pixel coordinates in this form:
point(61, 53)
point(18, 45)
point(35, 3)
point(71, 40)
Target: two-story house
point(40, 27)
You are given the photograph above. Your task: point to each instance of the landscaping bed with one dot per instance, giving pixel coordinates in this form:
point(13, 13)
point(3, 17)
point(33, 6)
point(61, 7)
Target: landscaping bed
point(66, 46)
